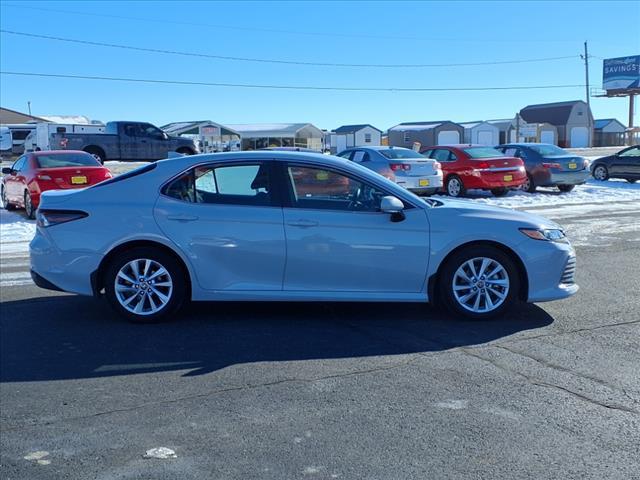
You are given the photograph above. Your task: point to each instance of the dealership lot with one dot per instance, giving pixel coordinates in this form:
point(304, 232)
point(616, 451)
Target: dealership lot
point(334, 390)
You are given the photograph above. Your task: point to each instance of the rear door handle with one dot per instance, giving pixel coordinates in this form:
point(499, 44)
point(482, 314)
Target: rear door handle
point(303, 223)
point(182, 218)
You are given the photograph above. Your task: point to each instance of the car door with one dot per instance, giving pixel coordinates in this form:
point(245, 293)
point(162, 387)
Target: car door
point(627, 162)
point(339, 241)
point(130, 146)
point(154, 145)
point(227, 219)
point(14, 181)
point(446, 159)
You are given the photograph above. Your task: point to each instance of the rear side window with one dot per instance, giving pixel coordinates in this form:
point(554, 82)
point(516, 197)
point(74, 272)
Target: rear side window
point(442, 155)
point(360, 156)
point(66, 160)
point(229, 184)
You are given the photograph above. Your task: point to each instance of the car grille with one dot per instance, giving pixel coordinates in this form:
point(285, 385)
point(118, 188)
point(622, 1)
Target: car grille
point(568, 275)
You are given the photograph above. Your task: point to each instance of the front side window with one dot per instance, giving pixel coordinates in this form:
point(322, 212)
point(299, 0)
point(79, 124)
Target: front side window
point(231, 185)
point(149, 130)
point(18, 164)
point(317, 188)
point(632, 152)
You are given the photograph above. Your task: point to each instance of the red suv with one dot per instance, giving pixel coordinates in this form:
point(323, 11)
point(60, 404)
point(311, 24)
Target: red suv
point(36, 172)
point(477, 166)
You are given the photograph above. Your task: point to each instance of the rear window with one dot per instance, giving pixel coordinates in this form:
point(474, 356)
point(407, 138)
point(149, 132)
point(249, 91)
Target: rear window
point(400, 153)
point(544, 149)
point(483, 152)
point(59, 160)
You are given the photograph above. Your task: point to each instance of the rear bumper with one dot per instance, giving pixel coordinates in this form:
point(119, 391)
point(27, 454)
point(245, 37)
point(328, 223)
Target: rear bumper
point(42, 282)
point(413, 183)
point(552, 178)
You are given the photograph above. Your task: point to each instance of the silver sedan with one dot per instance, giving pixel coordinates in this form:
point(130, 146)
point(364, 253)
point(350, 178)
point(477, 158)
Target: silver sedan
point(408, 168)
point(289, 226)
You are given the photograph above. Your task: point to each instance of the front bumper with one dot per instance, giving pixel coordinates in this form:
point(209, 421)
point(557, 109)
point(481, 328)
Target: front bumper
point(550, 270)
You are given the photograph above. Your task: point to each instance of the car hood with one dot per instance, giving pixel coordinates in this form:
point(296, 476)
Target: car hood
point(470, 208)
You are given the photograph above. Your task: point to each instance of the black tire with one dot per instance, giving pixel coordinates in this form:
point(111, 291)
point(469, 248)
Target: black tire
point(178, 277)
point(97, 152)
point(29, 211)
point(566, 188)
point(529, 185)
point(5, 203)
point(499, 192)
point(455, 187)
point(448, 270)
point(600, 173)
point(185, 151)
point(632, 180)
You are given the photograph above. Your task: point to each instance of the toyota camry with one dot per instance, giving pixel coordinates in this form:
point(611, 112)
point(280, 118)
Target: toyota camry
point(289, 226)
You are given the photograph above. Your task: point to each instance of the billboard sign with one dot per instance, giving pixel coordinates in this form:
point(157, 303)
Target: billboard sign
point(621, 73)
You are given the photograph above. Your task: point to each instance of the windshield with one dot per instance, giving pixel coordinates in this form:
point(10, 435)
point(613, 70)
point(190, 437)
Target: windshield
point(400, 153)
point(59, 160)
point(544, 149)
point(483, 152)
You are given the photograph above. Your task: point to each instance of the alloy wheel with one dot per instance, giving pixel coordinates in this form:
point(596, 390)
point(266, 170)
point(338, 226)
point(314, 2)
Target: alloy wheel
point(480, 285)
point(600, 173)
point(143, 286)
point(453, 187)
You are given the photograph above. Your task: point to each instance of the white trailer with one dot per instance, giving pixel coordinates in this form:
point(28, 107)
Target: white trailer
point(40, 138)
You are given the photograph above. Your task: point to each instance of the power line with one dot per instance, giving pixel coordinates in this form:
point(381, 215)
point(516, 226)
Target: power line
point(233, 27)
point(277, 61)
point(284, 87)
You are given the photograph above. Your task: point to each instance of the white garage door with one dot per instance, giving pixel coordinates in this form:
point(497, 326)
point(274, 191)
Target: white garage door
point(485, 137)
point(546, 136)
point(341, 143)
point(448, 137)
point(579, 137)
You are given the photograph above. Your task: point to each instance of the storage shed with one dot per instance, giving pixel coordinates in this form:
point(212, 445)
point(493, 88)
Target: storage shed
point(608, 132)
point(263, 135)
point(347, 136)
point(573, 120)
point(426, 134)
point(481, 133)
point(211, 137)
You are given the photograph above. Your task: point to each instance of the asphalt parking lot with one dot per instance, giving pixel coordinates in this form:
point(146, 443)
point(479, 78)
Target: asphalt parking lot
point(348, 391)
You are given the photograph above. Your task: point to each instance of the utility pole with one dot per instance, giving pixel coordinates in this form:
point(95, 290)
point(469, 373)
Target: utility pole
point(29, 107)
point(585, 57)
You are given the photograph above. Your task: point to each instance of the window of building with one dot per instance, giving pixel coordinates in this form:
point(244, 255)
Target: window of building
point(367, 138)
point(406, 137)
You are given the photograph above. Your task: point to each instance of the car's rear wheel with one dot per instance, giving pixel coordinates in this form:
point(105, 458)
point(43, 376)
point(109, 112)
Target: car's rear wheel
point(601, 173)
point(145, 285)
point(529, 185)
point(632, 180)
point(479, 282)
point(499, 192)
point(5, 201)
point(96, 153)
point(29, 210)
point(566, 188)
point(455, 187)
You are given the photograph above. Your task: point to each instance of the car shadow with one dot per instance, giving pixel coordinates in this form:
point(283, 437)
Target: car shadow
point(73, 337)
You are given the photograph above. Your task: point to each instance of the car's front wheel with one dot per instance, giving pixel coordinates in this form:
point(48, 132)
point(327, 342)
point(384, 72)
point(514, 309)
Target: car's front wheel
point(601, 173)
point(145, 285)
point(479, 282)
point(566, 188)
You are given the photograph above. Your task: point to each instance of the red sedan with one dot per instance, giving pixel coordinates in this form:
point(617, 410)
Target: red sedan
point(36, 172)
point(476, 166)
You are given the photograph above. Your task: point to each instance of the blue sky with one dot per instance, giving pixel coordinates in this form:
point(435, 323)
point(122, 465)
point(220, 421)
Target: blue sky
point(329, 32)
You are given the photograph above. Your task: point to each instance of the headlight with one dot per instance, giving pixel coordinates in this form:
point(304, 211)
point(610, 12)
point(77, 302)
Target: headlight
point(549, 235)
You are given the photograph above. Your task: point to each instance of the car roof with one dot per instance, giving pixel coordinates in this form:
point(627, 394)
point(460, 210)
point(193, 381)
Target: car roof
point(57, 152)
point(525, 144)
point(377, 148)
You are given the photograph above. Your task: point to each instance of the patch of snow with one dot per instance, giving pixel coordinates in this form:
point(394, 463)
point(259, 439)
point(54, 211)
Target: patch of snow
point(160, 452)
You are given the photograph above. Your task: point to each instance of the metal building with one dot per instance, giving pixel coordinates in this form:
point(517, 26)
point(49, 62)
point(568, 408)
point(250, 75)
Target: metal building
point(573, 120)
point(263, 135)
point(481, 133)
point(426, 134)
point(609, 132)
point(211, 137)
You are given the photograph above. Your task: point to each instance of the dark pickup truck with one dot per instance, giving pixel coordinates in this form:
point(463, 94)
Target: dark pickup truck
point(125, 141)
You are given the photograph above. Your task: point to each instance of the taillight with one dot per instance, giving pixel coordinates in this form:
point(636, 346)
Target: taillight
point(396, 167)
point(483, 165)
point(585, 164)
point(107, 174)
point(48, 218)
point(551, 165)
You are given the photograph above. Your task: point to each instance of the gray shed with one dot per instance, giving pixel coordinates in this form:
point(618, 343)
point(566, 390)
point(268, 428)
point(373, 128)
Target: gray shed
point(426, 134)
point(573, 120)
point(608, 132)
point(481, 133)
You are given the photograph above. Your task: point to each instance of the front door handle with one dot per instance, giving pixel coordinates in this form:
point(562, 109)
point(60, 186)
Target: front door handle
point(182, 218)
point(303, 223)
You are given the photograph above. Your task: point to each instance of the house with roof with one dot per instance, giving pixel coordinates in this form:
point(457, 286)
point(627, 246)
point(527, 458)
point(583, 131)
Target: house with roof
point(573, 120)
point(264, 135)
point(481, 133)
point(608, 132)
point(211, 137)
point(444, 132)
point(347, 136)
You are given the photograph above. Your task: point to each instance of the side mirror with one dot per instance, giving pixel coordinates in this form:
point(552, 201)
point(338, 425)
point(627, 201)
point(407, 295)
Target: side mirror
point(7, 171)
point(394, 206)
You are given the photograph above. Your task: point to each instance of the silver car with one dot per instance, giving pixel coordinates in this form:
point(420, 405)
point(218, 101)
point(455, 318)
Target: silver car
point(408, 168)
point(289, 226)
